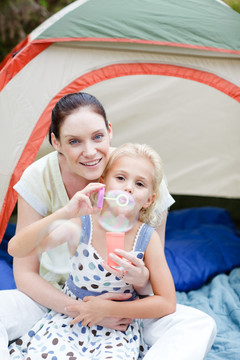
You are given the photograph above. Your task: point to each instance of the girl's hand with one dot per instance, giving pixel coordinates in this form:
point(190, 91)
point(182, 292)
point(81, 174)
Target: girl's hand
point(91, 311)
point(133, 269)
point(80, 204)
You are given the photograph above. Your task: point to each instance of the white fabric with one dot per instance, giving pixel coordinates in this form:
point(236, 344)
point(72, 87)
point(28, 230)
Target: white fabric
point(185, 335)
point(41, 185)
point(18, 313)
point(166, 200)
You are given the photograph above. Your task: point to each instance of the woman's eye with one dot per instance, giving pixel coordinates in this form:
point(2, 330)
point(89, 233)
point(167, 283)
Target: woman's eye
point(73, 142)
point(98, 137)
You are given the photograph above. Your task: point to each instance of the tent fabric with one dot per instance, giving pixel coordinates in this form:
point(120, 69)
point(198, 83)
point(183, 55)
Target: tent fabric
point(154, 21)
point(167, 74)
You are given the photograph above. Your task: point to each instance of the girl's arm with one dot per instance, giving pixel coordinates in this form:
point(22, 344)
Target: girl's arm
point(162, 303)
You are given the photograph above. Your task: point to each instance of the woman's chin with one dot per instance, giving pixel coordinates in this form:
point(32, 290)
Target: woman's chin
point(93, 174)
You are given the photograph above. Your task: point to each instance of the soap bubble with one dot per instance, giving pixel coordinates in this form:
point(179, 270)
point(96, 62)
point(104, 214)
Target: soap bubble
point(57, 244)
point(116, 214)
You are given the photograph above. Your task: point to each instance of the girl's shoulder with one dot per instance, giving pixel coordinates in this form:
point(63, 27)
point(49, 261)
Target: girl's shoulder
point(144, 235)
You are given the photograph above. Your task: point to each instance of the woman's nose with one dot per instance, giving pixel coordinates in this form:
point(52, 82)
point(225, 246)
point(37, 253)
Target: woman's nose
point(89, 150)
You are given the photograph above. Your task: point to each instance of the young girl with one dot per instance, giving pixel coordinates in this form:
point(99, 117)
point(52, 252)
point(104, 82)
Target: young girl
point(135, 169)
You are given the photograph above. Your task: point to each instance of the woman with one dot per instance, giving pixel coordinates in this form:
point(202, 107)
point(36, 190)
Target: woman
point(81, 134)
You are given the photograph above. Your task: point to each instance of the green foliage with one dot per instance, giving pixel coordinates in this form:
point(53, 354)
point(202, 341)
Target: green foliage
point(234, 4)
point(19, 17)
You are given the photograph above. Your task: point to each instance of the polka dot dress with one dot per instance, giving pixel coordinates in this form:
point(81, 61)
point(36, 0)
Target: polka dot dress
point(53, 338)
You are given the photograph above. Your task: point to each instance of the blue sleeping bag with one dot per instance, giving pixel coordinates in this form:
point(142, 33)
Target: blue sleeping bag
point(200, 243)
point(6, 278)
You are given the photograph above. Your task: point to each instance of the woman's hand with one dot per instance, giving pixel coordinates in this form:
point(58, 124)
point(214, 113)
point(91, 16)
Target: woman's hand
point(80, 204)
point(93, 310)
point(26, 241)
point(60, 231)
point(133, 269)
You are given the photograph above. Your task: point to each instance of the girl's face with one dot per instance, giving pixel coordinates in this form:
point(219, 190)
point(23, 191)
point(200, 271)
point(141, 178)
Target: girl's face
point(133, 175)
point(84, 142)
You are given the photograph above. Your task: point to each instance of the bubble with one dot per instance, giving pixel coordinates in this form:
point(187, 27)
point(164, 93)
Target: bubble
point(117, 213)
point(57, 244)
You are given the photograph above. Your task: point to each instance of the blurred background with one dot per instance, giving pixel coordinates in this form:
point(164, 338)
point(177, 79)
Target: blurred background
point(19, 17)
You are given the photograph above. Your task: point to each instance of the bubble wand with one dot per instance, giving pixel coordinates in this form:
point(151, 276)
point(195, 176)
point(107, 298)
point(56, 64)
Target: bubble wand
point(113, 224)
point(121, 199)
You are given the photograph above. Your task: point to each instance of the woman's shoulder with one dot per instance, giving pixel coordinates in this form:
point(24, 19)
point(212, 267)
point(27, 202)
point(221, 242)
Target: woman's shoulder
point(165, 199)
point(38, 177)
point(40, 166)
point(43, 163)
point(111, 149)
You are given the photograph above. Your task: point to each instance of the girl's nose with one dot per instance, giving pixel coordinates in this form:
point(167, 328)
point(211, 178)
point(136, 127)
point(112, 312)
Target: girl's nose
point(128, 187)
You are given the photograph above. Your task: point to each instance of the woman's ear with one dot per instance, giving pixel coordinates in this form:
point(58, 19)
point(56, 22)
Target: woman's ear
point(55, 143)
point(110, 132)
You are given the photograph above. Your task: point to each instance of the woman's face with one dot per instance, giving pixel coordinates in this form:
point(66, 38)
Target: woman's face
point(84, 142)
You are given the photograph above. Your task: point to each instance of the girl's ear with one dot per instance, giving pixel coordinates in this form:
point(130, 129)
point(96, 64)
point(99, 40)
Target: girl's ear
point(149, 201)
point(55, 143)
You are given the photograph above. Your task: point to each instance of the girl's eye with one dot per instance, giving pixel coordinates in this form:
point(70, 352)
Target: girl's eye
point(119, 177)
point(73, 142)
point(140, 184)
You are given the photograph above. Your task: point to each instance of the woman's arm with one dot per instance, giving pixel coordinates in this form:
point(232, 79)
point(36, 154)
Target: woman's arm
point(28, 280)
point(26, 270)
point(162, 303)
point(30, 224)
point(32, 284)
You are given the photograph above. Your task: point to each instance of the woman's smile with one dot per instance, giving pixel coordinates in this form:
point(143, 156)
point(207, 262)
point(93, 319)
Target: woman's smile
point(91, 163)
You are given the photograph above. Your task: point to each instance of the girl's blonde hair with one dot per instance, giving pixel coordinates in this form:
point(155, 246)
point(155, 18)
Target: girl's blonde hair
point(150, 215)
